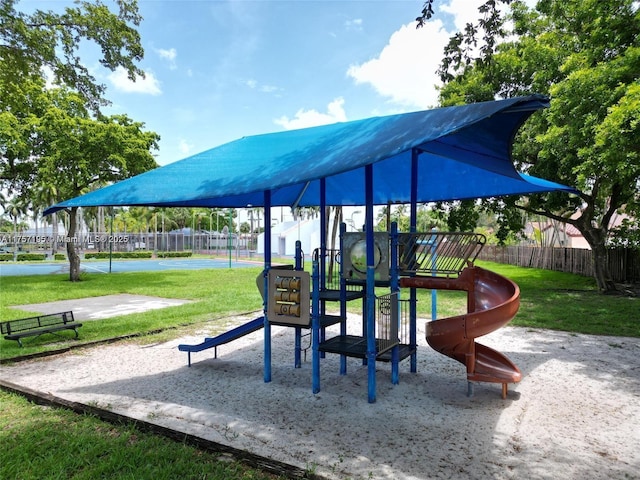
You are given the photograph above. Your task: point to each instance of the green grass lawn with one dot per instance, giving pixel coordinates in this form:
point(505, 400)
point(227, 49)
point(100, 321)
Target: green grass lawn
point(33, 436)
point(214, 294)
point(562, 301)
point(551, 300)
point(42, 443)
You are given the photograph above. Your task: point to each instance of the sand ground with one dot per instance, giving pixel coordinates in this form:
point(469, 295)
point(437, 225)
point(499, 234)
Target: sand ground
point(575, 414)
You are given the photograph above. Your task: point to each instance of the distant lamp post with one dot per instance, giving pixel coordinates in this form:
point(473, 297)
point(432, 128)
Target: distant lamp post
point(210, 230)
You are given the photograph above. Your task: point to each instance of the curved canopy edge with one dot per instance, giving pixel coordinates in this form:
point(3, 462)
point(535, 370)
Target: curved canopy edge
point(465, 152)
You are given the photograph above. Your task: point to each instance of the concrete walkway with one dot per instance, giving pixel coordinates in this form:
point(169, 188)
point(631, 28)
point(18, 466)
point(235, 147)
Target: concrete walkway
point(96, 308)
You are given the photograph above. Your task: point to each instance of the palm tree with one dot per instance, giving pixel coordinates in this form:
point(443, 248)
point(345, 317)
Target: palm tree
point(47, 194)
point(337, 220)
point(16, 208)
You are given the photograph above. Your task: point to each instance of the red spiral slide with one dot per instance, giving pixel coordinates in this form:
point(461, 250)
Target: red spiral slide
point(492, 302)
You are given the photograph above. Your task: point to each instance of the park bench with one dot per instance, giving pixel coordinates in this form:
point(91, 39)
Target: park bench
point(35, 326)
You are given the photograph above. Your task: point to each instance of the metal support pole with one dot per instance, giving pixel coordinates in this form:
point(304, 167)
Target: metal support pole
point(298, 331)
point(395, 288)
point(343, 298)
point(323, 251)
point(315, 328)
point(229, 238)
point(110, 240)
point(371, 283)
point(434, 292)
point(413, 295)
point(267, 266)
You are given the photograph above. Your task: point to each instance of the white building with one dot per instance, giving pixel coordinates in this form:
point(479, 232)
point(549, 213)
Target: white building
point(284, 236)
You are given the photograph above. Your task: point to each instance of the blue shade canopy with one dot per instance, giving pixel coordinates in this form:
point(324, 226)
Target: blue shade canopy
point(464, 153)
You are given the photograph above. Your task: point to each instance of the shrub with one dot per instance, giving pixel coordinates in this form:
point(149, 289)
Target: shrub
point(174, 254)
point(23, 257)
point(105, 255)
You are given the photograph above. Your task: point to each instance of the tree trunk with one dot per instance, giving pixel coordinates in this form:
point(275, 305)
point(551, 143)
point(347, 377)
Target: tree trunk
point(601, 269)
point(596, 239)
point(74, 258)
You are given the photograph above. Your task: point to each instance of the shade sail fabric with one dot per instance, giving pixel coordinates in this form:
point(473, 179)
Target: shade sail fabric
point(464, 153)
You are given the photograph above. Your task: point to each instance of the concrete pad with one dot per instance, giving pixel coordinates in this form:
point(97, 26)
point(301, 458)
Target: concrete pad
point(96, 308)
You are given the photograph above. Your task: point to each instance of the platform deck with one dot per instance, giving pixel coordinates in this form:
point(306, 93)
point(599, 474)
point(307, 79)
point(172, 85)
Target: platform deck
point(355, 346)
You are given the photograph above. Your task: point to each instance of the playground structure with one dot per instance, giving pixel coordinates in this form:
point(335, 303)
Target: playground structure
point(403, 261)
point(452, 153)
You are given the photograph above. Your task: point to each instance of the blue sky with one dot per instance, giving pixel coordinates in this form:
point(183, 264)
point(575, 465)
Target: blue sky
point(220, 70)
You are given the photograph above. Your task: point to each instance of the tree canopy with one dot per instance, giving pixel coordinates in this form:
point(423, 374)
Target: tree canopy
point(55, 142)
point(30, 43)
point(584, 54)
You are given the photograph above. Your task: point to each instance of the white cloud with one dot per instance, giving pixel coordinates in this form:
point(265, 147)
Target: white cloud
point(311, 118)
point(269, 88)
point(147, 85)
point(355, 24)
point(169, 55)
point(49, 77)
point(463, 11)
point(466, 11)
point(184, 146)
point(254, 85)
point(405, 69)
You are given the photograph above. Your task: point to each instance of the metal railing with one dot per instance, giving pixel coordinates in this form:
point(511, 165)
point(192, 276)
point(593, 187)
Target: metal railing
point(392, 321)
point(442, 254)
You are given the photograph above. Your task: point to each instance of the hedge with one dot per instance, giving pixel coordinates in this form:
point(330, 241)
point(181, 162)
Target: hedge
point(105, 255)
point(174, 254)
point(22, 257)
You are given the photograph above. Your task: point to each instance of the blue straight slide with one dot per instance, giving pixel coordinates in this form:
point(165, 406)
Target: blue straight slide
point(226, 337)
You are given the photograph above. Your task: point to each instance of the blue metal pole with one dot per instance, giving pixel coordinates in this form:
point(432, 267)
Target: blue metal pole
point(298, 255)
point(315, 328)
point(267, 266)
point(343, 299)
point(230, 238)
point(323, 250)
point(434, 292)
point(413, 295)
point(371, 283)
point(297, 361)
point(323, 231)
point(395, 288)
point(110, 242)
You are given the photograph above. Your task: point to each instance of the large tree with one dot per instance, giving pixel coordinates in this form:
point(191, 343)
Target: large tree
point(57, 139)
point(584, 54)
point(79, 153)
point(47, 43)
